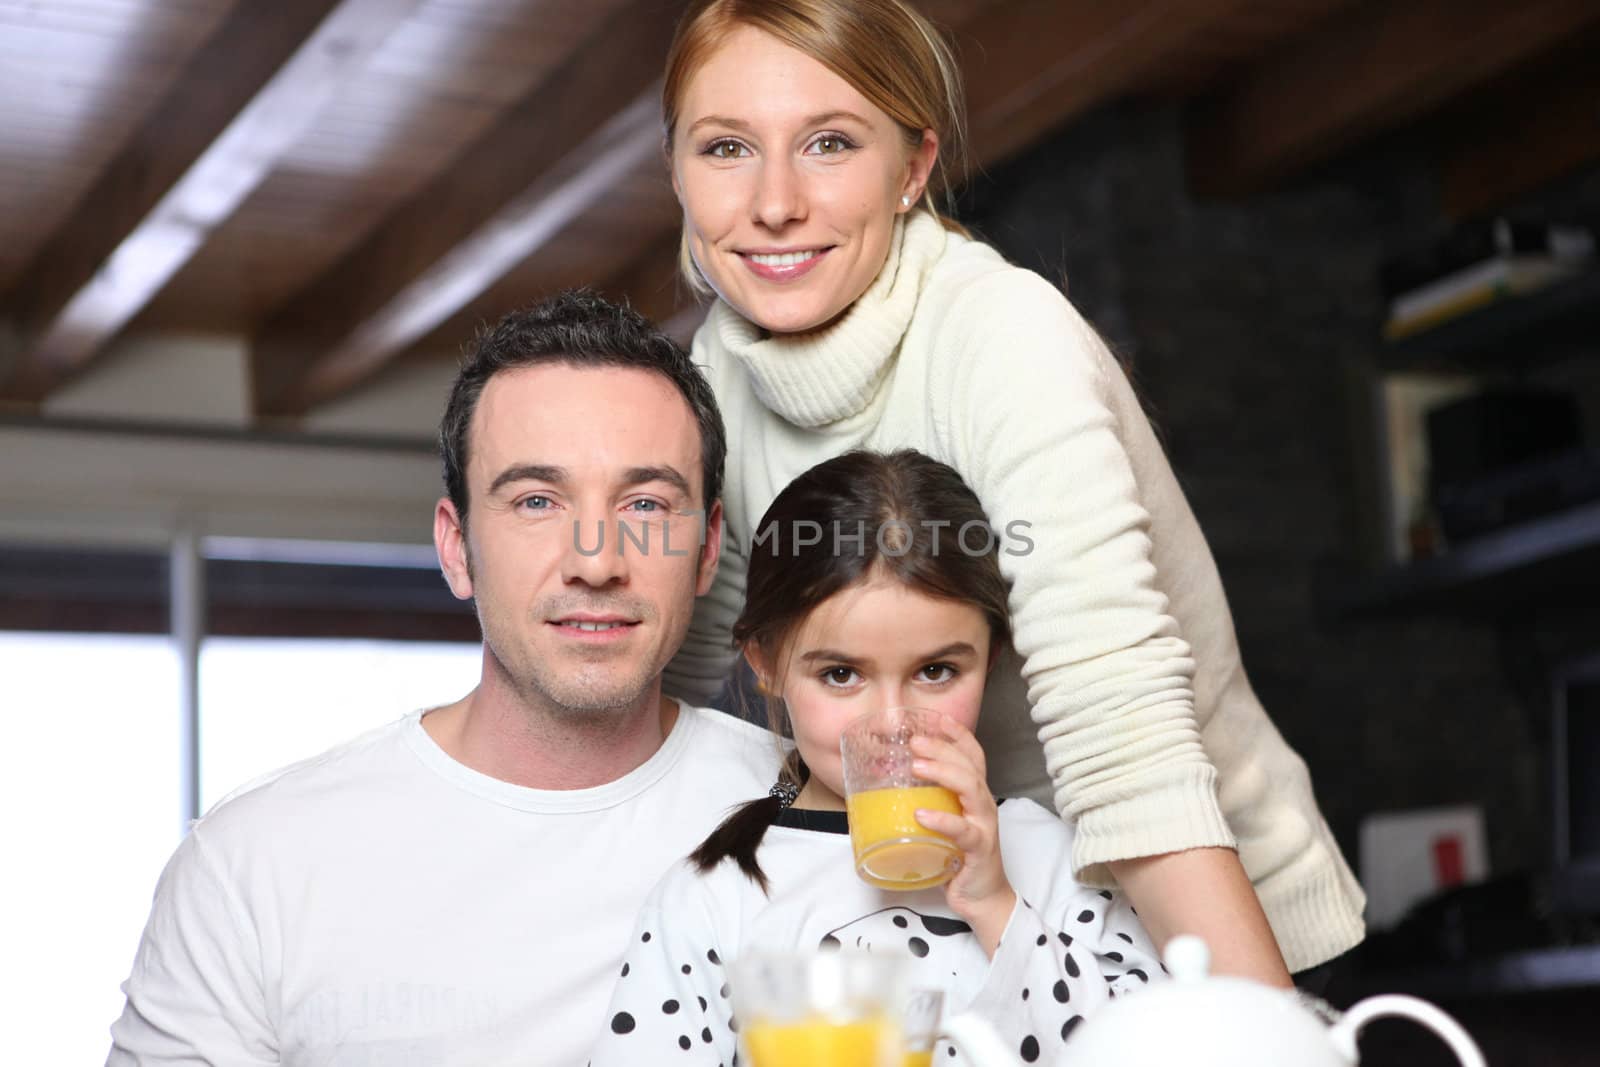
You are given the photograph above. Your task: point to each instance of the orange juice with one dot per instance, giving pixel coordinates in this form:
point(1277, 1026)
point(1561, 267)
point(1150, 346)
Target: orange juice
point(893, 850)
point(873, 1042)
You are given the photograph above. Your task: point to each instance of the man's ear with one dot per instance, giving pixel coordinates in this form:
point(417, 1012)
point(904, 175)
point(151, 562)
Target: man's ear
point(710, 550)
point(450, 541)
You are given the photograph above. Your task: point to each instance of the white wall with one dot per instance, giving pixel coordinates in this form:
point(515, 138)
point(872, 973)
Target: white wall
point(172, 377)
point(98, 485)
point(407, 400)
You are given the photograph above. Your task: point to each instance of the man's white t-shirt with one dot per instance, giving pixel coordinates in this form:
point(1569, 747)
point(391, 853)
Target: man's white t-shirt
point(382, 903)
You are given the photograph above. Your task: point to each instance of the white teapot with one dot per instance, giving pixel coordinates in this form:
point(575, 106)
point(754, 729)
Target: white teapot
point(1203, 1021)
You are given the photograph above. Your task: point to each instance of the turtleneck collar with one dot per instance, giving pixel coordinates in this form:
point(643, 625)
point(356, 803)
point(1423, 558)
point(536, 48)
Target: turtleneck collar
point(817, 378)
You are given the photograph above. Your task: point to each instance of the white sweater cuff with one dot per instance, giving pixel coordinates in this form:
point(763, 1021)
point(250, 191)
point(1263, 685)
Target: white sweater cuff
point(1179, 814)
point(1315, 907)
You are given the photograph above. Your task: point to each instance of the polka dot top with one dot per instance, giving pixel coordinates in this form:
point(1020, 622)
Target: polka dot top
point(1067, 950)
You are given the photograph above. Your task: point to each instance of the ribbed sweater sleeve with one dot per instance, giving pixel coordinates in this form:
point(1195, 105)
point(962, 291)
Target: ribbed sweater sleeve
point(1025, 405)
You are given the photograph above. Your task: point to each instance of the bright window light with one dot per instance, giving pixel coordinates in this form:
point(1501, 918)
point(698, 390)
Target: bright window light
point(268, 702)
point(91, 784)
point(90, 787)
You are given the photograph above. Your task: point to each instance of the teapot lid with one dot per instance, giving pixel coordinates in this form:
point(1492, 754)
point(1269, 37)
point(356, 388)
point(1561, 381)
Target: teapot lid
point(1187, 958)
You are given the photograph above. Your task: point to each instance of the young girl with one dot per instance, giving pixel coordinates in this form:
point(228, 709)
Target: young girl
point(875, 583)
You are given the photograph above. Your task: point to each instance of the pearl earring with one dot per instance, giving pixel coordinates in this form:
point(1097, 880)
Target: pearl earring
point(905, 201)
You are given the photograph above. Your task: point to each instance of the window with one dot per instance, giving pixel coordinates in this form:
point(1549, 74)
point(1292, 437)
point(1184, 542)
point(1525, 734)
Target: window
point(304, 652)
point(267, 702)
point(91, 789)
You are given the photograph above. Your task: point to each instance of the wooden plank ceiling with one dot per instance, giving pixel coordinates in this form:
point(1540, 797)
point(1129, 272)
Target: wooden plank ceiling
point(350, 182)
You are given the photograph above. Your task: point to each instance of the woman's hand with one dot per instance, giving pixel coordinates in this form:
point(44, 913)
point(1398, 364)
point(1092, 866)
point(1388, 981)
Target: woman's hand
point(979, 892)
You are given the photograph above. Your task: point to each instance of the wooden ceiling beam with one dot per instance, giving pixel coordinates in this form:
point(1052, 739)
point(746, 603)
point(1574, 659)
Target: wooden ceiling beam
point(245, 98)
point(1032, 65)
point(1380, 67)
point(1517, 136)
point(574, 185)
point(653, 287)
point(550, 158)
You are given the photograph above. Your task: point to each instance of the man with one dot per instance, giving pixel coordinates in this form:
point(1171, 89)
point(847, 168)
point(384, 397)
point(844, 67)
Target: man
point(457, 887)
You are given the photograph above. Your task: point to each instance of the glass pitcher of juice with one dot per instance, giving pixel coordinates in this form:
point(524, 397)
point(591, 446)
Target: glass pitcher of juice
point(834, 1008)
point(919, 1026)
point(847, 1009)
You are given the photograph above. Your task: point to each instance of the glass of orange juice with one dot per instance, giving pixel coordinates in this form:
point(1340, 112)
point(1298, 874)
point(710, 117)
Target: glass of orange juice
point(892, 849)
point(839, 1009)
point(919, 1024)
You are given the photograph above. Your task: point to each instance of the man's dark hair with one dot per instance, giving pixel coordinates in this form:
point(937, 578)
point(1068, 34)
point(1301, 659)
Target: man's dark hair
point(577, 328)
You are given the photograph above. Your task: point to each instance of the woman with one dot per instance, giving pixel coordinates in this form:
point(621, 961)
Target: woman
point(806, 140)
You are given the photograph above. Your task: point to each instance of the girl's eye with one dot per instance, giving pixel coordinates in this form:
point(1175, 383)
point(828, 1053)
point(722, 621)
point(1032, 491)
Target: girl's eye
point(726, 150)
point(838, 676)
point(938, 672)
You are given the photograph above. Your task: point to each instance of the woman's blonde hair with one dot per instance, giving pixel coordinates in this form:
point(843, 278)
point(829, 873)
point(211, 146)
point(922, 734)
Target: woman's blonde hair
point(884, 49)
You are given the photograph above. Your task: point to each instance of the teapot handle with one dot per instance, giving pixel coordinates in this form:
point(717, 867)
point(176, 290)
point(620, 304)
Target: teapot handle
point(1348, 1028)
point(977, 1041)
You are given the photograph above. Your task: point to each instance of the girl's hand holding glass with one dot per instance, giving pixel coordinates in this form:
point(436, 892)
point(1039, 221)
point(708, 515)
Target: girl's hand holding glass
point(980, 892)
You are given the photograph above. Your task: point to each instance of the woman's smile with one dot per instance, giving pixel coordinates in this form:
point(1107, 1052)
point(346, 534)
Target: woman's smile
point(783, 267)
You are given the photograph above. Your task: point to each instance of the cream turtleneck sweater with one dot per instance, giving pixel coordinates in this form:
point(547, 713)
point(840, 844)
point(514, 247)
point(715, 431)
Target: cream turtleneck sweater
point(1144, 730)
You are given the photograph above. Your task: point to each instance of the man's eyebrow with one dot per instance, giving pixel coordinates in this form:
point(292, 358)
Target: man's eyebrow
point(669, 475)
point(528, 472)
point(819, 119)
